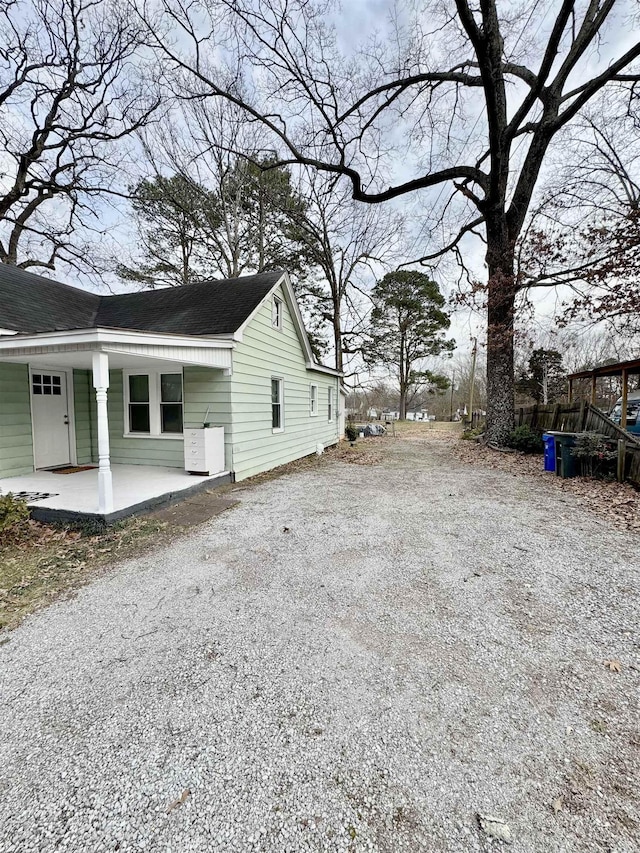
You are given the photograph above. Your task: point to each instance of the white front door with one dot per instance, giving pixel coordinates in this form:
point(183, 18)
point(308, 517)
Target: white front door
point(50, 413)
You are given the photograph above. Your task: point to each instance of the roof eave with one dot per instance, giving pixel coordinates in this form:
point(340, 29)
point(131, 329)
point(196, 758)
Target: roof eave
point(608, 370)
point(321, 368)
point(104, 335)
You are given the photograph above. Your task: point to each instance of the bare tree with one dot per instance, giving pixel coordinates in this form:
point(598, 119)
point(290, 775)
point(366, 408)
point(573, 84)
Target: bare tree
point(586, 238)
point(476, 94)
point(333, 247)
point(71, 92)
point(349, 244)
point(584, 347)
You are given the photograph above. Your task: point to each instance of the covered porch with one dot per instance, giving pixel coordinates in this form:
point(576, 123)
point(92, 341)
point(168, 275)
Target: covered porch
point(81, 413)
point(53, 496)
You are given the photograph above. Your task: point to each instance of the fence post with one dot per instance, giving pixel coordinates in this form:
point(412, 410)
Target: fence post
point(556, 416)
point(582, 417)
point(622, 458)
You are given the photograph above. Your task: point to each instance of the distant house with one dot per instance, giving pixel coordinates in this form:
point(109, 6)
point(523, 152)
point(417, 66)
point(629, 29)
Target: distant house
point(216, 378)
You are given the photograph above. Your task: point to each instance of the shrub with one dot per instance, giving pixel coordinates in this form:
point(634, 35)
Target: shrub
point(14, 515)
point(351, 432)
point(524, 439)
point(595, 452)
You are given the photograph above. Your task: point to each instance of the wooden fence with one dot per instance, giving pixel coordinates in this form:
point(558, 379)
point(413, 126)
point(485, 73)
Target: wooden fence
point(582, 417)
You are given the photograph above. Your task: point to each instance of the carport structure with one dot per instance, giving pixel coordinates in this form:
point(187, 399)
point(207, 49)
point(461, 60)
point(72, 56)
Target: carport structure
point(623, 369)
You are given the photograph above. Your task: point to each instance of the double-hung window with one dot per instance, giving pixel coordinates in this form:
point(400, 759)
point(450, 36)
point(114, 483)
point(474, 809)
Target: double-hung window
point(313, 400)
point(277, 405)
point(330, 405)
point(170, 403)
point(153, 404)
point(139, 407)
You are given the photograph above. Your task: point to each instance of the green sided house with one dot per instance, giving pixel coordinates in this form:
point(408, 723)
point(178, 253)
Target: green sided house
point(109, 404)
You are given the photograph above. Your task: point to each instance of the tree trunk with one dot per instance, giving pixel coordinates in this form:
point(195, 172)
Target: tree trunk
point(261, 263)
point(403, 379)
point(337, 342)
point(337, 337)
point(403, 405)
point(500, 311)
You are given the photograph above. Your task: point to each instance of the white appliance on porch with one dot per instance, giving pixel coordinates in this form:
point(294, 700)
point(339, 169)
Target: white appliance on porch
point(204, 450)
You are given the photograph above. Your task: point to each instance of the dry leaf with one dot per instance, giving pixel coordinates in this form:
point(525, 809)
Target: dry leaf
point(181, 799)
point(613, 665)
point(557, 805)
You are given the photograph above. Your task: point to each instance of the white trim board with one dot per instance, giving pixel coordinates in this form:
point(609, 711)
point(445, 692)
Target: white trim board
point(101, 335)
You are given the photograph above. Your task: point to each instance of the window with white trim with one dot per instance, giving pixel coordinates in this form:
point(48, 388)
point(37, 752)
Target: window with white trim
point(277, 404)
point(330, 405)
point(153, 403)
point(276, 313)
point(313, 400)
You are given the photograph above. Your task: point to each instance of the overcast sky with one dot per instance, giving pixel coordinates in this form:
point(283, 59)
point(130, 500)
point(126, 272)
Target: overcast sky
point(358, 21)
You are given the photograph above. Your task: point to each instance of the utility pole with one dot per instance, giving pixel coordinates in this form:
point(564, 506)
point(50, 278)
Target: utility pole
point(474, 353)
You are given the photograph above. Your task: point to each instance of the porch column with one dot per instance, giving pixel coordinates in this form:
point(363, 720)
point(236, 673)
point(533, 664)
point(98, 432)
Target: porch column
point(100, 361)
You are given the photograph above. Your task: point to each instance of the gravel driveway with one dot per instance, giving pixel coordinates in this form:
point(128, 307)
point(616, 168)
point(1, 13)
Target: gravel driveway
point(355, 658)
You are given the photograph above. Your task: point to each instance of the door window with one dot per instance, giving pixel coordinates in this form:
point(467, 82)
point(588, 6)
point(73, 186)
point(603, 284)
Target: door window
point(44, 384)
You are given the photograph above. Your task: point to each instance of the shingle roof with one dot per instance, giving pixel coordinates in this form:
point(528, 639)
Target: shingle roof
point(30, 304)
point(205, 308)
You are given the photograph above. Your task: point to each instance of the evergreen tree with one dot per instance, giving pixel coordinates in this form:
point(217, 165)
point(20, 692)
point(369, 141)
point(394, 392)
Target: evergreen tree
point(408, 325)
point(189, 232)
point(545, 379)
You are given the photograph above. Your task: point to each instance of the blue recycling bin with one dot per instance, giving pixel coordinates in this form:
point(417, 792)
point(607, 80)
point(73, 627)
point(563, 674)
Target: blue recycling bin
point(549, 452)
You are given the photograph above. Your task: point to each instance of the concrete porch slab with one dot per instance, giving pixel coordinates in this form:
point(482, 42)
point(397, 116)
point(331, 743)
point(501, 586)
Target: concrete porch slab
point(136, 489)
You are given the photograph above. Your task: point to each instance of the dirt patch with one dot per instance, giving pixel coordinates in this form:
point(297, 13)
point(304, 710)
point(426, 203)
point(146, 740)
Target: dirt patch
point(195, 510)
point(50, 562)
point(365, 451)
